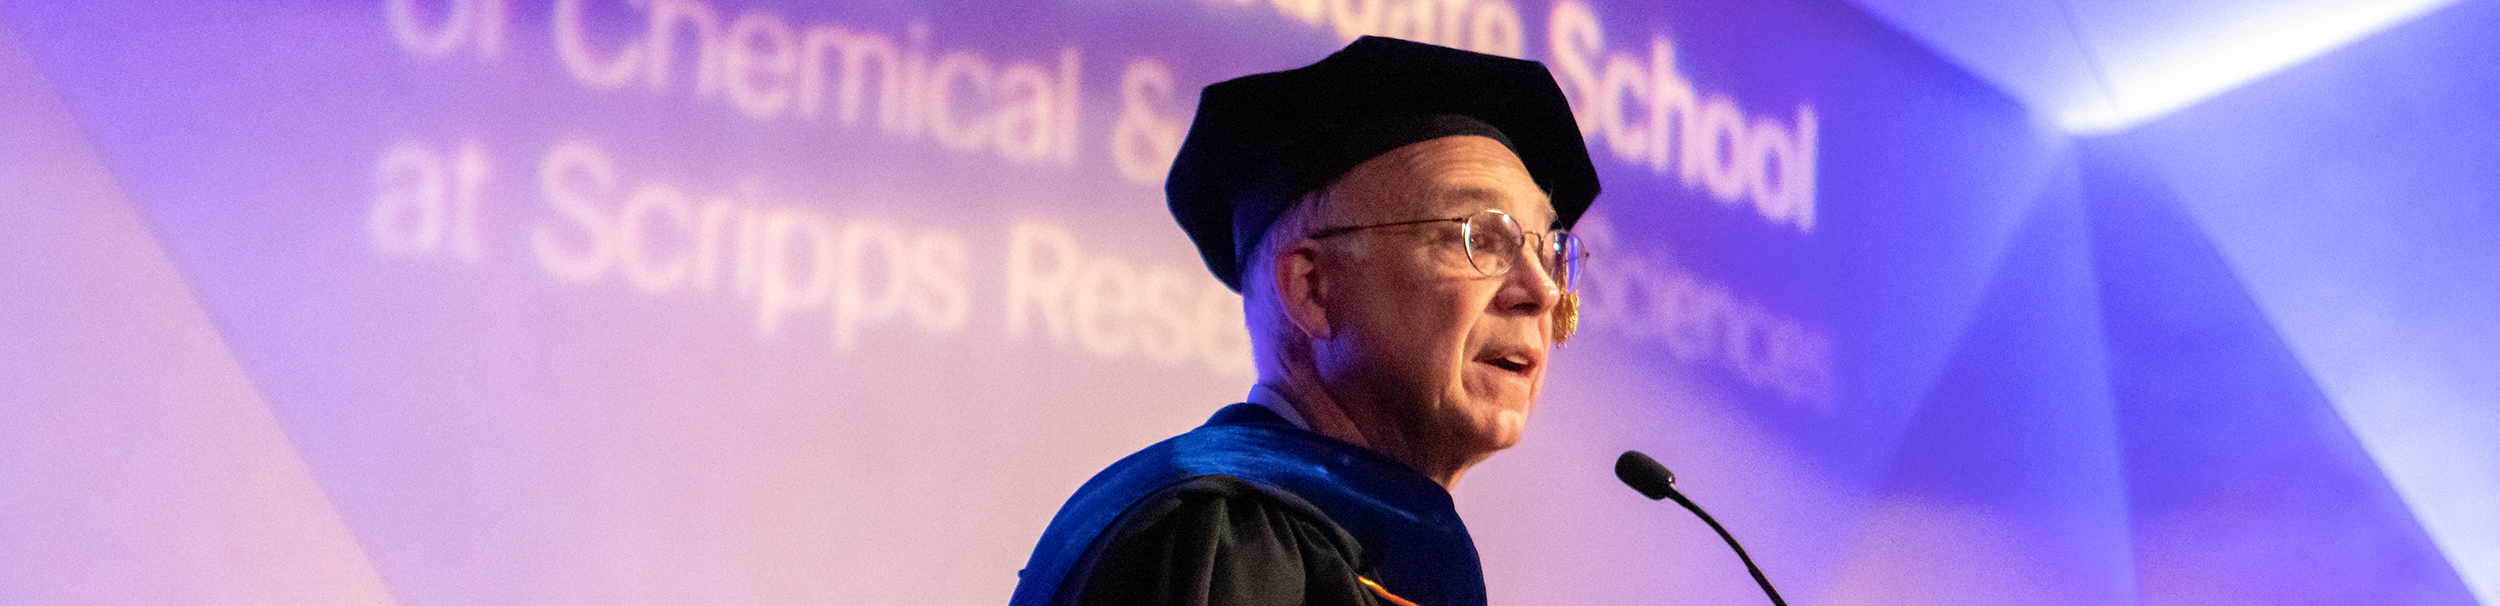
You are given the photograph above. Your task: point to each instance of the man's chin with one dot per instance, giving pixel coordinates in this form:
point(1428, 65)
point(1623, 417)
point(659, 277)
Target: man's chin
point(1502, 431)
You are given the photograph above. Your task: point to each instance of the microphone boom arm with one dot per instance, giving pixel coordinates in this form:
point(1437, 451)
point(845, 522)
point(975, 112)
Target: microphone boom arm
point(1654, 481)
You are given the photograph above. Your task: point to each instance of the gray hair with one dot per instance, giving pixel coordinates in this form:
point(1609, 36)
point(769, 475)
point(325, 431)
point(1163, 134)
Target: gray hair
point(1262, 307)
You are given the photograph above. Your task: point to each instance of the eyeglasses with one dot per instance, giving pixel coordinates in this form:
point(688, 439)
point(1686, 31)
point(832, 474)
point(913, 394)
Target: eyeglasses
point(1493, 237)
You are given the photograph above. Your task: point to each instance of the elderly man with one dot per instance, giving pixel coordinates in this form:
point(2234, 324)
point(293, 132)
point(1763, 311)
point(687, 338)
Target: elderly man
point(1394, 217)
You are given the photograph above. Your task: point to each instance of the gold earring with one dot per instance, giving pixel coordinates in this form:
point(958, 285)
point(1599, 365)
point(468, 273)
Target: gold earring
point(1566, 317)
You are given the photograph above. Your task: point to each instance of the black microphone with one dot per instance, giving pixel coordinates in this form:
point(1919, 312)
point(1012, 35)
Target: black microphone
point(1654, 481)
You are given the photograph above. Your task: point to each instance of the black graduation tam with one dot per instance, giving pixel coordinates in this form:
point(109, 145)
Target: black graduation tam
point(1260, 142)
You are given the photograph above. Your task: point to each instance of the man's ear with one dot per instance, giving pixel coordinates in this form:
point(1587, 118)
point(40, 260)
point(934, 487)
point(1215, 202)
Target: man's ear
point(1300, 289)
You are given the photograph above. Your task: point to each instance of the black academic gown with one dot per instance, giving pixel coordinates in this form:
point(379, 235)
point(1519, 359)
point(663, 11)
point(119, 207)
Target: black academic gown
point(1248, 509)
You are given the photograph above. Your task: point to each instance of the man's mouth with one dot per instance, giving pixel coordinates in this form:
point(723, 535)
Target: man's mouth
point(1512, 362)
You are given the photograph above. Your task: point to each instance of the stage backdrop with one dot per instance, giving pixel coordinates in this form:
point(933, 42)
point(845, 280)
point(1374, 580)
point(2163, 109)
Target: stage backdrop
point(449, 302)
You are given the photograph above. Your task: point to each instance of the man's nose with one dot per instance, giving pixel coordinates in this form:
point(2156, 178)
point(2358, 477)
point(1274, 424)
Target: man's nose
point(1528, 287)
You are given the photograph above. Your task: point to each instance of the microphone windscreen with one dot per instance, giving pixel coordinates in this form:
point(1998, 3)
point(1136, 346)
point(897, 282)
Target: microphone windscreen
point(1645, 474)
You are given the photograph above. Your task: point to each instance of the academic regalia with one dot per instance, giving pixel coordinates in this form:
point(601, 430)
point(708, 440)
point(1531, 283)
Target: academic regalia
point(1262, 141)
point(1249, 509)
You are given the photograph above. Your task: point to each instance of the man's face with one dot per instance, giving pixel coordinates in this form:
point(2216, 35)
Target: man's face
point(1444, 355)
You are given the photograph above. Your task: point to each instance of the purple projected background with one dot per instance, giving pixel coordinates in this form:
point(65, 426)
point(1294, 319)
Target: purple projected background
point(678, 301)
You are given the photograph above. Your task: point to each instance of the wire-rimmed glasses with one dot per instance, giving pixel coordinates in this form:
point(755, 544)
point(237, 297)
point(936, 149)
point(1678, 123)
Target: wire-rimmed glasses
point(1493, 238)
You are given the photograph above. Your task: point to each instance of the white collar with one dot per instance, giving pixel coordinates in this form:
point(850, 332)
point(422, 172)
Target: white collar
point(1261, 395)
